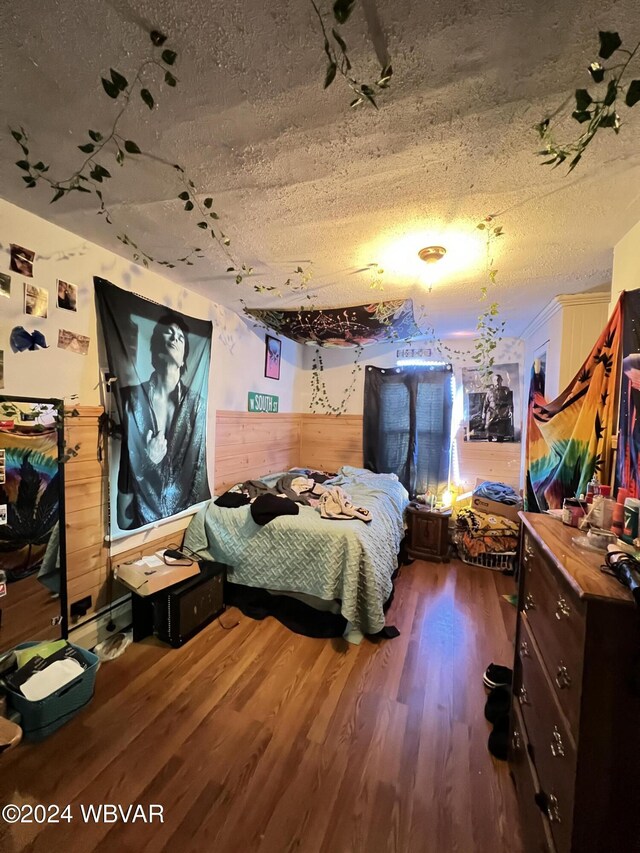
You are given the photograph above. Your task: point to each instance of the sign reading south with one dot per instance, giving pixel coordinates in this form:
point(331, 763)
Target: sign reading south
point(262, 403)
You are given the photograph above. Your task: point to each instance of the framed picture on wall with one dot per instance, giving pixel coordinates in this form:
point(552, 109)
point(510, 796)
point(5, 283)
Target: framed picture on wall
point(272, 357)
point(539, 368)
point(492, 403)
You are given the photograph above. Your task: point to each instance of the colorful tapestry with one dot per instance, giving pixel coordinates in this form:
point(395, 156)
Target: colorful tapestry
point(628, 468)
point(31, 495)
point(359, 325)
point(160, 361)
point(567, 438)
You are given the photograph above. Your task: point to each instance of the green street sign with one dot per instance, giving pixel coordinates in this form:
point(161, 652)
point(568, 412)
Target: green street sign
point(262, 403)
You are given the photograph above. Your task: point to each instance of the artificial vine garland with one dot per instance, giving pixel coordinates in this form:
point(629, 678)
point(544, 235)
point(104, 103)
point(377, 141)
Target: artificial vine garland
point(92, 174)
point(319, 395)
point(595, 111)
point(338, 61)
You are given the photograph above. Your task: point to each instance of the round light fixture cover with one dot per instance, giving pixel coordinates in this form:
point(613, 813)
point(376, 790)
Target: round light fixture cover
point(431, 254)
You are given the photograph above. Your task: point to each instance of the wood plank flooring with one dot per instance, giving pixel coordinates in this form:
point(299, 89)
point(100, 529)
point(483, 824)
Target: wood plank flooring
point(257, 739)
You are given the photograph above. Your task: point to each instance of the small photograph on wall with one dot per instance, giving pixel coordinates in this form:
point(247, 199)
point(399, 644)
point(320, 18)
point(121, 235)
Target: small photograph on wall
point(36, 300)
point(492, 403)
point(539, 369)
point(272, 357)
point(73, 342)
point(67, 295)
point(5, 285)
point(22, 260)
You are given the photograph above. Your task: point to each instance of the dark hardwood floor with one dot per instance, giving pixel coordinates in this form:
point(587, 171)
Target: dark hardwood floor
point(256, 739)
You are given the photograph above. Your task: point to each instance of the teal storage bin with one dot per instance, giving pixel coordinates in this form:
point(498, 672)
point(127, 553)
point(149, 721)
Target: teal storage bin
point(42, 718)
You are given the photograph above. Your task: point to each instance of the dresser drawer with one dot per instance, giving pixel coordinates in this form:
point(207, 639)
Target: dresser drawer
point(552, 748)
point(534, 824)
point(556, 618)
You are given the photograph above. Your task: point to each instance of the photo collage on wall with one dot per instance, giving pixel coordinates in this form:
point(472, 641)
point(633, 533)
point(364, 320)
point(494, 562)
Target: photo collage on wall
point(492, 404)
point(34, 298)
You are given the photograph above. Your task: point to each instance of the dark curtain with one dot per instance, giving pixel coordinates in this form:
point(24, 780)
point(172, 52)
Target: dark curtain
point(407, 425)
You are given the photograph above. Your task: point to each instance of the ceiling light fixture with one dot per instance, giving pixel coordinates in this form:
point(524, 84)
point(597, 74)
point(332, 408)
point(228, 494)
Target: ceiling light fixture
point(431, 254)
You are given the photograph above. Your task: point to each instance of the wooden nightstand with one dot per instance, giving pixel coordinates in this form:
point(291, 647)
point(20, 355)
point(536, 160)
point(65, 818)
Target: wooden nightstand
point(428, 533)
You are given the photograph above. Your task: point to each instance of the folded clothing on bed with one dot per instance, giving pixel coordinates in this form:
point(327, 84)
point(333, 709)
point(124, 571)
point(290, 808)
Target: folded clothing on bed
point(267, 507)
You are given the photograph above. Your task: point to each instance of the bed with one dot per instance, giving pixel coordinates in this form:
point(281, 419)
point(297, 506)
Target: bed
point(346, 560)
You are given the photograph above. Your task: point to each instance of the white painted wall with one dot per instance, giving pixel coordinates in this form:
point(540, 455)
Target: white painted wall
point(569, 327)
point(237, 364)
point(626, 264)
point(338, 364)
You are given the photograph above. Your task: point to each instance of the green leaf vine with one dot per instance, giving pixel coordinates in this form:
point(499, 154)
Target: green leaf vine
point(599, 109)
point(320, 401)
point(338, 62)
point(489, 327)
point(92, 175)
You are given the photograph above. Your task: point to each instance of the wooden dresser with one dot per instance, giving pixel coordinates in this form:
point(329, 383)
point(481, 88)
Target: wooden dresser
point(574, 748)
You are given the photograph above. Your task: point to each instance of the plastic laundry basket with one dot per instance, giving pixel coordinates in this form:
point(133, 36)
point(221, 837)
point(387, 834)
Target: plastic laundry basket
point(42, 718)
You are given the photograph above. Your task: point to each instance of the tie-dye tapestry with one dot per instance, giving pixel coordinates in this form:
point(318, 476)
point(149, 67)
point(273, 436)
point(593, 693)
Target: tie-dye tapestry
point(567, 438)
point(31, 495)
point(628, 469)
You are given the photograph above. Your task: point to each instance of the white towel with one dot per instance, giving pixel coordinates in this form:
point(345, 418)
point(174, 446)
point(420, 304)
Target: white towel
point(48, 680)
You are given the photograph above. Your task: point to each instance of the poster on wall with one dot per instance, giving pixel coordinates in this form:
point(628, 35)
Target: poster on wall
point(539, 369)
point(492, 406)
point(160, 361)
point(628, 467)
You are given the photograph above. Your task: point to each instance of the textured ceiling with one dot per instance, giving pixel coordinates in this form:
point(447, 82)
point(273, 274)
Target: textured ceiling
point(297, 176)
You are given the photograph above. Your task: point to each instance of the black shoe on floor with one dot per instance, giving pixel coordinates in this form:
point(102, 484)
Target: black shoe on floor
point(498, 704)
point(498, 743)
point(497, 676)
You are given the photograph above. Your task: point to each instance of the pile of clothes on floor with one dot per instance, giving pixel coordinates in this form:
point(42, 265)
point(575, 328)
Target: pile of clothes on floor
point(284, 496)
point(479, 532)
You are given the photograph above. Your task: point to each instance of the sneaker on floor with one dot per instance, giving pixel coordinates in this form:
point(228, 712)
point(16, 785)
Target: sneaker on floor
point(498, 743)
point(497, 676)
point(498, 704)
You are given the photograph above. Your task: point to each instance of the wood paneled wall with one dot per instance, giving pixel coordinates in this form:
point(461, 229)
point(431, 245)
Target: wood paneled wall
point(327, 441)
point(251, 444)
point(248, 445)
point(88, 562)
point(484, 460)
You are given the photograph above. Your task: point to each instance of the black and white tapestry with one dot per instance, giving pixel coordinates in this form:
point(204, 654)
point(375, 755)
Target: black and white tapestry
point(160, 361)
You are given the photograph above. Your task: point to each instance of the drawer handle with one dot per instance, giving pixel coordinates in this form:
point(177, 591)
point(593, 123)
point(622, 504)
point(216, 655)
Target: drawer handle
point(553, 809)
point(529, 603)
point(523, 696)
point(516, 741)
point(557, 746)
point(563, 608)
point(524, 649)
point(563, 679)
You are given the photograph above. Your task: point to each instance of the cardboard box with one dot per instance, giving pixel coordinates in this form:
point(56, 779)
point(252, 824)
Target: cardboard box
point(495, 508)
point(150, 574)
